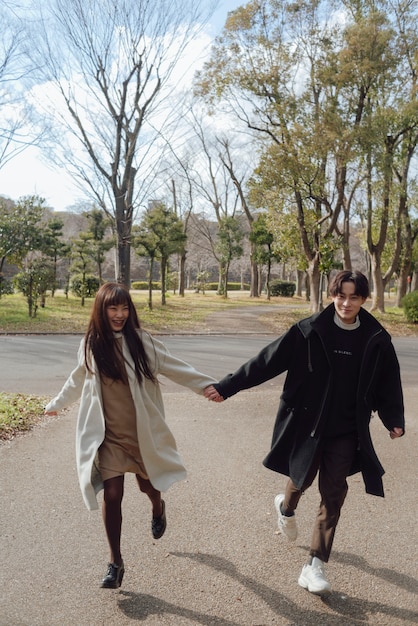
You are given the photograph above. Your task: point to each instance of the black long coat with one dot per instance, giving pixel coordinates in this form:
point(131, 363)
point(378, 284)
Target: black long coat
point(304, 352)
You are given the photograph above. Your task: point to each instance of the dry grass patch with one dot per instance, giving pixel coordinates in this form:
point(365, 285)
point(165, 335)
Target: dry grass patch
point(19, 413)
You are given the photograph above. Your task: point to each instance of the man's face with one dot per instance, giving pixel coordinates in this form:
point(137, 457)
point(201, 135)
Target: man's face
point(347, 303)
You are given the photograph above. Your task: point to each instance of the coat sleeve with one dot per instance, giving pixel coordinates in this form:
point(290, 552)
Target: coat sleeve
point(389, 395)
point(271, 361)
point(72, 388)
point(174, 368)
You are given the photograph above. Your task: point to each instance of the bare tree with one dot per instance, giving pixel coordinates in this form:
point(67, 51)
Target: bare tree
point(238, 179)
point(110, 65)
point(16, 134)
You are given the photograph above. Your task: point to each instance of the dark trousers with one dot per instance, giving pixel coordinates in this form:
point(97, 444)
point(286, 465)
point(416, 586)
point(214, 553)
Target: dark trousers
point(333, 462)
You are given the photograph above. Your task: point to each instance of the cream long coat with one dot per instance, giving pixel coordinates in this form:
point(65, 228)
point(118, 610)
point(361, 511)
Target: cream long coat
point(158, 447)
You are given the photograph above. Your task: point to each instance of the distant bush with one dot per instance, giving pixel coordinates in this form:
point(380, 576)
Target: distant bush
point(231, 286)
point(6, 287)
point(410, 306)
point(91, 285)
point(143, 284)
point(238, 287)
point(282, 288)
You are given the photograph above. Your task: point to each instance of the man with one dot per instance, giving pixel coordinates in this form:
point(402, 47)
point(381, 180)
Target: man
point(341, 366)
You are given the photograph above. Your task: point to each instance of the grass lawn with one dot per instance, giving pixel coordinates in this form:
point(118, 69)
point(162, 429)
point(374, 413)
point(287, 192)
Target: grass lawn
point(66, 315)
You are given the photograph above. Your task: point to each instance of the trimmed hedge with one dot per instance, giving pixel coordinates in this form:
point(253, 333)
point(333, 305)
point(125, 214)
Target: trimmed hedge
point(282, 288)
point(231, 286)
point(142, 285)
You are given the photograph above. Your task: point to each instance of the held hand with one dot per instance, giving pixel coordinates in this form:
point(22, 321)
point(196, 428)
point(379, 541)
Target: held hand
point(396, 432)
point(211, 394)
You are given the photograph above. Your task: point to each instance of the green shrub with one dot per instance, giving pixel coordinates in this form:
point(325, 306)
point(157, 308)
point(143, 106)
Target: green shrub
point(238, 287)
point(410, 306)
point(282, 288)
point(91, 285)
point(6, 287)
point(142, 285)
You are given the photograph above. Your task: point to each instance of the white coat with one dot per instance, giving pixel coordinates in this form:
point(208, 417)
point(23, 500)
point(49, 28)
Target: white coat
point(162, 461)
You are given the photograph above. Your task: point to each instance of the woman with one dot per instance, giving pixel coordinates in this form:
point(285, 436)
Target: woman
point(121, 424)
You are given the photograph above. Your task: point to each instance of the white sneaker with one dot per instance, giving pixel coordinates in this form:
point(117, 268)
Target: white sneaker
point(287, 525)
point(313, 578)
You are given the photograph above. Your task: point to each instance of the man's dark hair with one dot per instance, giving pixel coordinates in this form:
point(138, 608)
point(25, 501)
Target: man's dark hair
point(361, 284)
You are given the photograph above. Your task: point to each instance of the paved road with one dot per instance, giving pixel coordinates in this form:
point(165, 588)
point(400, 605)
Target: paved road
point(40, 364)
point(220, 562)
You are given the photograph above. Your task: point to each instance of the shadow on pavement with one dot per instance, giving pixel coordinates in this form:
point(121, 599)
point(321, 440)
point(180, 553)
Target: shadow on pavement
point(349, 611)
point(140, 606)
point(390, 575)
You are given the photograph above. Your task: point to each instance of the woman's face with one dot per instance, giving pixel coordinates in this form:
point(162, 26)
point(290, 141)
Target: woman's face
point(117, 314)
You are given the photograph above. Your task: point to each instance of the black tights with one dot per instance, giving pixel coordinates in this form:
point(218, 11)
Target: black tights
point(112, 510)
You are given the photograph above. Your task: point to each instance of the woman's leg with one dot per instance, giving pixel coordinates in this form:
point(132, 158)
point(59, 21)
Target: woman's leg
point(152, 493)
point(112, 515)
point(159, 521)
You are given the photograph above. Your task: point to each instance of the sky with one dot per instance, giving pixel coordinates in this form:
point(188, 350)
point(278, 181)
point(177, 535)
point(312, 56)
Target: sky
point(28, 174)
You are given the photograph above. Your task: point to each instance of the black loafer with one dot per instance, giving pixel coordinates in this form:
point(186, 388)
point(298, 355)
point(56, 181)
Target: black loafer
point(114, 576)
point(159, 524)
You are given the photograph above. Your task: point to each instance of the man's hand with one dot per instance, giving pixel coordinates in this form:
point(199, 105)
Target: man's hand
point(211, 394)
point(396, 432)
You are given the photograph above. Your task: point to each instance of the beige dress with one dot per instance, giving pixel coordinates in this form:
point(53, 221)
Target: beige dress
point(119, 452)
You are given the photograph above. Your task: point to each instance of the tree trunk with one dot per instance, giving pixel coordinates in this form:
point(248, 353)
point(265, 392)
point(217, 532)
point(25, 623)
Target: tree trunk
point(99, 270)
point(407, 246)
point(163, 278)
point(255, 286)
point(30, 297)
point(182, 273)
point(300, 281)
point(124, 263)
point(123, 234)
point(225, 281)
point(221, 280)
point(268, 279)
point(260, 281)
point(347, 258)
point(151, 269)
point(414, 281)
point(307, 288)
point(314, 284)
point(402, 285)
point(378, 296)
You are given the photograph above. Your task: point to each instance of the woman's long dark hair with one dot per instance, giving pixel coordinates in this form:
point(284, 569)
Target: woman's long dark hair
point(100, 341)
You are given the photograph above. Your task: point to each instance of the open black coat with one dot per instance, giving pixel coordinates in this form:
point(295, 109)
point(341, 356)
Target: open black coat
point(304, 352)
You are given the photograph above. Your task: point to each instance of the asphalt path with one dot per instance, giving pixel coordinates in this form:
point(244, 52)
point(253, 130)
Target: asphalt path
point(221, 561)
point(39, 364)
